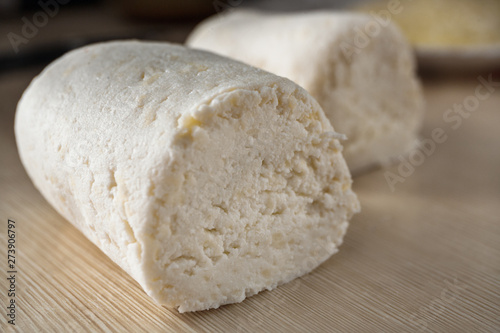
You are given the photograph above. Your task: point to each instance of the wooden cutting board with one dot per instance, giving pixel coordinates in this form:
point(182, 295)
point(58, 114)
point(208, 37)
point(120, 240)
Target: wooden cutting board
point(425, 256)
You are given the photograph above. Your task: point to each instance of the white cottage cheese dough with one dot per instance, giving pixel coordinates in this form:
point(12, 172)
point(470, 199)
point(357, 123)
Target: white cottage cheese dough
point(205, 179)
point(367, 87)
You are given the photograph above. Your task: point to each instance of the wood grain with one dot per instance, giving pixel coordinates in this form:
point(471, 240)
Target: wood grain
point(424, 257)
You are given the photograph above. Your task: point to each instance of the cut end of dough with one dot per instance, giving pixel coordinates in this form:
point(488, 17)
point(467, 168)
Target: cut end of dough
point(263, 197)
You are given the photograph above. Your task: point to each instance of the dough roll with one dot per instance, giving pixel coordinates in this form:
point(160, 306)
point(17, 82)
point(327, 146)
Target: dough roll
point(206, 179)
point(360, 71)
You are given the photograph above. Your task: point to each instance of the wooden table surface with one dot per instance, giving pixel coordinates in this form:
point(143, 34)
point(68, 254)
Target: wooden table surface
point(424, 257)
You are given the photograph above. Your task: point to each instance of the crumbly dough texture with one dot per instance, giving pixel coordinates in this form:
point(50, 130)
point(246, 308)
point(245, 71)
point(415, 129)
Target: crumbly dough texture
point(367, 88)
point(206, 179)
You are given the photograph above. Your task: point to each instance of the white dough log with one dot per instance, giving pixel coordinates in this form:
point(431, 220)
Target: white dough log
point(206, 179)
point(363, 77)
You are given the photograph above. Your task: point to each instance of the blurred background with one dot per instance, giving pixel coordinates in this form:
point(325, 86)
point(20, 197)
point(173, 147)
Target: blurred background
point(454, 36)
